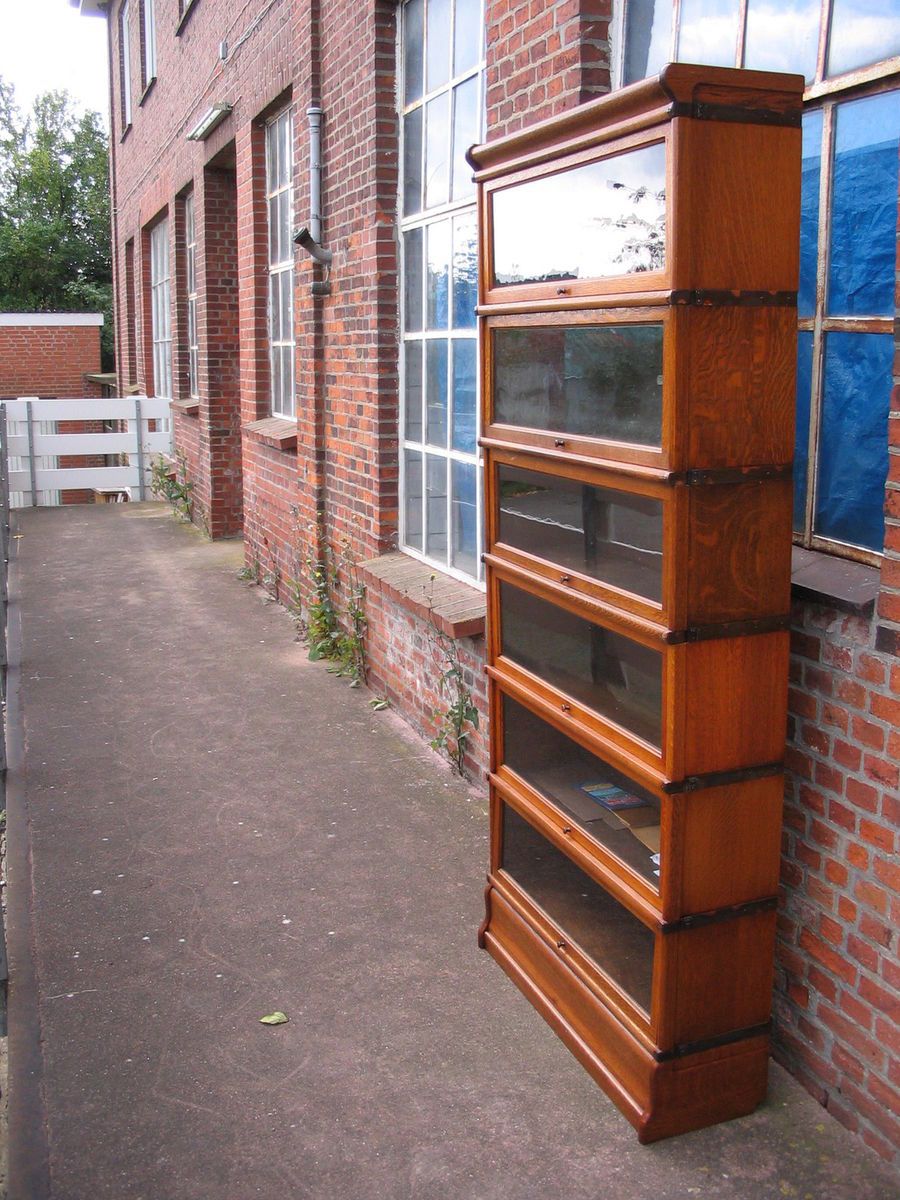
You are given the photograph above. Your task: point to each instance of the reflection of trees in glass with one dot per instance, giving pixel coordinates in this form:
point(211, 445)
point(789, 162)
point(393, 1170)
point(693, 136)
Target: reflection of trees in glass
point(596, 381)
point(645, 248)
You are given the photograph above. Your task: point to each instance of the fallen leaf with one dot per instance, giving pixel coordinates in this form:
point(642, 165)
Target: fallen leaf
point(275, 1018)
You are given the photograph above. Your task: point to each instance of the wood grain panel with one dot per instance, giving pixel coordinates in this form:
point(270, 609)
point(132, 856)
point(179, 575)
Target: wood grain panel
point(739, 552)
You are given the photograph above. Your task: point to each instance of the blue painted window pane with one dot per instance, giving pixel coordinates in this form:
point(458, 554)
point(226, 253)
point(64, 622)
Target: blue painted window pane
point(465, 271)
point(464, 395)
point(465, 517)
point(783, 35)
point(853, 443)
point(436, 392)
point(648, 38)
point(801, 451)
point(809, 211)
point(708, 32)
point(864, 200)
point(863, 32)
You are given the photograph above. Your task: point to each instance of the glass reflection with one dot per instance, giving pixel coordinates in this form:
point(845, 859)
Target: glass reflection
point(436, 506)
point(412, 489)
point(618, 678)
point(605, 804)
point(436, 392)
point(464, 358)
point(783, 35)
point(412, 280)
point(862, 32)
point(612, 536)
point(465, 271)
point(648, 38)
point(708, 32)
point(413, 388)
point(437, 69)
point(412, 162)
point(437, 147)
point(587, 381)
point(465, 134)
point(465, 517)
point(811, 170)
point(606, 218)
point(617, 941)
point(413, 21)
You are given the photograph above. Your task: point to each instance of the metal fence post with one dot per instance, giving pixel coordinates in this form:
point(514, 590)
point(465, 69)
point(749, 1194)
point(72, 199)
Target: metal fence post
point(4, 493)
point(32, 467)
point(142, 484)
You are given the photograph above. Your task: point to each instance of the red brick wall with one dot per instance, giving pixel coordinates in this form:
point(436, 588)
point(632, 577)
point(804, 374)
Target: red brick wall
point(543, 58)
point(48, 360)
point(837, 999)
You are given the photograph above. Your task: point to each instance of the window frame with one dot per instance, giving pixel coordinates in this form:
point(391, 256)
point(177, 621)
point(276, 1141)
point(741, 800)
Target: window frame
point(283, 405)
point(825, 93)
point(190, 279)
point(423, 219)
point(148, 41)
point(161, 308)
point(125, 64)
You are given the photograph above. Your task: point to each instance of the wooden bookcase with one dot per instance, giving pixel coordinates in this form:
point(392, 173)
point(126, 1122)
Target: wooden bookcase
point(637, 323)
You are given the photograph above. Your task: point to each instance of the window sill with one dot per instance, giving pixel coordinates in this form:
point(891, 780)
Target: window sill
point(273, 431)
point(190, 407)
point(188, 9)
point(456, 608)
point(147, 90)
point(125, 132)
point(837, 582)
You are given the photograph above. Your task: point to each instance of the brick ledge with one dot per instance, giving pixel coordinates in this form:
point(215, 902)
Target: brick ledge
point(191, 407)
point(274, 431)
point(456, 608)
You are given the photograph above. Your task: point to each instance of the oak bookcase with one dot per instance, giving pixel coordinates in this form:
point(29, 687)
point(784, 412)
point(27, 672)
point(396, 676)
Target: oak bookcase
point(637, 323)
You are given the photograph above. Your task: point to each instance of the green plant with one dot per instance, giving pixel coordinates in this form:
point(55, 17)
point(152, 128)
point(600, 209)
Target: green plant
point(176, 489)
point(459, 720)
point(342, 643)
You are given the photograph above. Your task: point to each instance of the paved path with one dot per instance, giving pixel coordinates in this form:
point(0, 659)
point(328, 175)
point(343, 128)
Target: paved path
point(220, 829)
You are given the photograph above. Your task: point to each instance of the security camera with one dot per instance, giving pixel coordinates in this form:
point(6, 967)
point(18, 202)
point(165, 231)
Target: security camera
point(302, 237)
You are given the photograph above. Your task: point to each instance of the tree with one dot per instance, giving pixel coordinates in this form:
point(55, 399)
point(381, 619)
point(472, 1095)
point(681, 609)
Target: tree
point(54, 210)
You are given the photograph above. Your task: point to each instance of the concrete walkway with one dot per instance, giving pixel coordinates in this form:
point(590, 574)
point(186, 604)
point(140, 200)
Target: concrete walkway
point(218, 828)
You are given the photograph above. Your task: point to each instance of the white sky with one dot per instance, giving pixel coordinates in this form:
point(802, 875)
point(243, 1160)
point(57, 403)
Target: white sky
point(46, 45)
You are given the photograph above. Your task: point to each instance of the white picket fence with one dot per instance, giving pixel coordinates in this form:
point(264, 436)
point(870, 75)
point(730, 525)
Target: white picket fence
point(32, 446)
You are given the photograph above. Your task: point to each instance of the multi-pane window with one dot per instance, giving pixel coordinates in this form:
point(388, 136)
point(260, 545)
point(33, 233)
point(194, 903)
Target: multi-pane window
point(125, 61)
point(442, 55)
point(149, 18)
point(190, 240)
point(280, 208)
point(848, 247)
point(160, 312)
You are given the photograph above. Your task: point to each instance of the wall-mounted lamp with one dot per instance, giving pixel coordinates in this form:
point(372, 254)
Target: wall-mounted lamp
point(212, 118)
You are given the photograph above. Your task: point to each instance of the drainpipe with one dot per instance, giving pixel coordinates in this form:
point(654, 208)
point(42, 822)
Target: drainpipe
point(314, 115)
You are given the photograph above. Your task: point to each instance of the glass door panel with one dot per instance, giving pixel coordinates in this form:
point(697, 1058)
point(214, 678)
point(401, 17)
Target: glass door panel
point(614, 537)
point(605, 804)
point(599, 219)
point(617, 677)
point(596, 381)
point(608, 933)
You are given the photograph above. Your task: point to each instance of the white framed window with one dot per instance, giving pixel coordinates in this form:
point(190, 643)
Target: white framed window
point(149, 20)
point(441, 103)
point(280, 211)
point(125, 60)
point(849, 54)
point(160, 310)
point(190, 241)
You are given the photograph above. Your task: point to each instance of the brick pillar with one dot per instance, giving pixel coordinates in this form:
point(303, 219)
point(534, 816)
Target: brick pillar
point(215, 215)
point(543, 59)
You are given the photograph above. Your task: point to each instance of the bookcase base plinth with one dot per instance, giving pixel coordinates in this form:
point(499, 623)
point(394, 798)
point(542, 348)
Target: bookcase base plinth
point(660, 1099)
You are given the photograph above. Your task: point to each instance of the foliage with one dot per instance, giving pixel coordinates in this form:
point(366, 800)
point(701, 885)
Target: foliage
point(178, 490)
point(342, 643)
point(54, 210)
point(459, 720)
